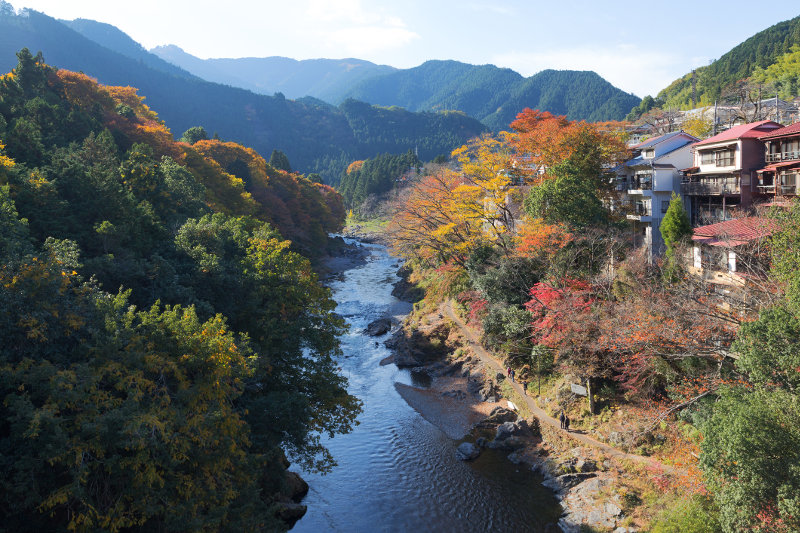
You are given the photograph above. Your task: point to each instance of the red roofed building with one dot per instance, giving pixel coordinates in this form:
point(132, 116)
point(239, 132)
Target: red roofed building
point(729, 255)
point(779, 179)
point(724, 175)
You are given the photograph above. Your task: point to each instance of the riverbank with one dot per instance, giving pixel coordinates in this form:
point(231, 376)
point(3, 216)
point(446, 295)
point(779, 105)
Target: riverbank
point(461, 398)
point(395, 463)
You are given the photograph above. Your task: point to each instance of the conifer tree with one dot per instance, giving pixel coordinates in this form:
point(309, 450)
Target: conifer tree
point(675, 226)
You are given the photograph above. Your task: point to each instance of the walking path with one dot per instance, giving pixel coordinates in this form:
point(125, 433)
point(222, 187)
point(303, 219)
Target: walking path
point(543, 417)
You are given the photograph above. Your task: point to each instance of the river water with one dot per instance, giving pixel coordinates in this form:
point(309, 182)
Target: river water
point(396, 471)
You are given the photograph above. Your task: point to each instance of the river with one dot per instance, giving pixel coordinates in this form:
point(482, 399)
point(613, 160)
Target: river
point(396, 471)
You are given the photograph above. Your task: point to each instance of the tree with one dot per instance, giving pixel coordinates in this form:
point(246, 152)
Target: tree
point(194, 134)
point(569, 198)
point(750, 450)
point(675, 227)
point(279, 160)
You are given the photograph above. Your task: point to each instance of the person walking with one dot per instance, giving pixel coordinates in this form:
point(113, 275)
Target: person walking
point(566, 423)
point(508, 371)
point(561, 418)
point(512, 374)
point(525, 388)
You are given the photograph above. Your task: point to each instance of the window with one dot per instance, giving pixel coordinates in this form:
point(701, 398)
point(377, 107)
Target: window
point(706, 158)
point(724, 158)
point(649, 154)
point(664, 206)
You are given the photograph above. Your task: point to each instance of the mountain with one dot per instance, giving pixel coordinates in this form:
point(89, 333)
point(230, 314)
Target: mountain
point(496, 95)
point(326, 79)
point(756, 53)
point(114, 39)
point(315, 136)
point(492, 95)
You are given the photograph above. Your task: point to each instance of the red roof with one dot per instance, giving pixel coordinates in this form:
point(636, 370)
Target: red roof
point(776, 166)
point(754, 130)
point(792, 129)
point(735, 232)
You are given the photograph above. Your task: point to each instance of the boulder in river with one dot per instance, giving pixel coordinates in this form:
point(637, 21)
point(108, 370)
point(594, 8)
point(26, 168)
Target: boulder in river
point(467, 451)
point(378, 327)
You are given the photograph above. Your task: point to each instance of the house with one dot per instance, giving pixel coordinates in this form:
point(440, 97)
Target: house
point(648, 182)
point(729, 257)
point(778, 180)
point(723, 177)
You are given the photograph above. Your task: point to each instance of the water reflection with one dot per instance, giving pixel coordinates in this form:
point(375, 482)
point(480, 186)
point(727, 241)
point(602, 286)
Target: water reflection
point(396, 471)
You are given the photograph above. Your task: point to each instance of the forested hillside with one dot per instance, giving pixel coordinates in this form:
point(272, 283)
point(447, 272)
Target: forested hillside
point(494, 95)
point(326, 79)
point(753, 56)
point(315, 136)
point(161, 343)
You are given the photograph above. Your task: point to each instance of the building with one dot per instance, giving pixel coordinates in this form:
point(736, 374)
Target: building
point(648, 182)
point(728, 257)
point(778, 180)
point(723, 178)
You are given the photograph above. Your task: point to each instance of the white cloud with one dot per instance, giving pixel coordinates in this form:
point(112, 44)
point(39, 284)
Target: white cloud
point(348, 24)
point(628, 67)
point(364, 40)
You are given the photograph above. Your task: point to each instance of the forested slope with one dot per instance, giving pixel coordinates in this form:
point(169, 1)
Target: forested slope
point(161, 343)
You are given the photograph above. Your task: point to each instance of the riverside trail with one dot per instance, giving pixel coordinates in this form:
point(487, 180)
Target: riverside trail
point(543, 417)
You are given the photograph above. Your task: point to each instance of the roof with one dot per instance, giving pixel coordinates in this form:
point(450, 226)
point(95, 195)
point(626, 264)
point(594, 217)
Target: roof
point(655, 140)
point(776, 166)
point(753, 130)
point(792, 129)
point(736, 232)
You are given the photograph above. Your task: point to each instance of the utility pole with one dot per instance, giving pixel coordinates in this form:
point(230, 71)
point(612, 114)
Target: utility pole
point(714, 126)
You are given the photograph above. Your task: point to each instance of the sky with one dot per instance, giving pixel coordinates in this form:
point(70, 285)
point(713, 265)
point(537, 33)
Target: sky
point(639, 47)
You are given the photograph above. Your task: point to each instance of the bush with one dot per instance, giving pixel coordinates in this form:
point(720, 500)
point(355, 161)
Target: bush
point(692, 515)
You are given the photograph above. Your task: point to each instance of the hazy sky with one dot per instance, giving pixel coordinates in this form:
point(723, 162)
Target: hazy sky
point(638, 46)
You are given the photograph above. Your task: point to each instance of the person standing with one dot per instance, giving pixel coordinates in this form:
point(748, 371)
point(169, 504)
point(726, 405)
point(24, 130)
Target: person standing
point(512, 374)
point(566, 423)
point(561, 418)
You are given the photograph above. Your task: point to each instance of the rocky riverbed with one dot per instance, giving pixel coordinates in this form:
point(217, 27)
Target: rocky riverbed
point(463, 398)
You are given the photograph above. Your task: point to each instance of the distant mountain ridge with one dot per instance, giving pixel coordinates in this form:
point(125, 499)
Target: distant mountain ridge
point(326, 79)
point(491, 94)
point(315, 136)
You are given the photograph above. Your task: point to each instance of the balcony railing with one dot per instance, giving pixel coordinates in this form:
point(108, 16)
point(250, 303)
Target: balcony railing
point(788, 189)
point(711, 187)
point(782, 156)
point(641, 184)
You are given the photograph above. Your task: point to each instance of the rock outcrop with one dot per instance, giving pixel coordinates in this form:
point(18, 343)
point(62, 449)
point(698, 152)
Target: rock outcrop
point(378, 327)
point(467, 451)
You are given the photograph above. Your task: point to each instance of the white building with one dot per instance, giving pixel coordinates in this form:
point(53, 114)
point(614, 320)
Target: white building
point(648, 182)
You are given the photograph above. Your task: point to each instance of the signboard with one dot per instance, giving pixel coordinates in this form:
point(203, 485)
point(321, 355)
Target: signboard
point(580, 391)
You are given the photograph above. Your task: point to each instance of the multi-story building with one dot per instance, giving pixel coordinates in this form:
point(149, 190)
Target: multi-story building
point(649, 180)
point(730, 259)
point(779, 178)
point(724, 177)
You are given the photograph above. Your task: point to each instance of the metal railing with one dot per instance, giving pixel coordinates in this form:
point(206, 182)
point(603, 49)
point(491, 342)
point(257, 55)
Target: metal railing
point(782, 156)
point(711, 186)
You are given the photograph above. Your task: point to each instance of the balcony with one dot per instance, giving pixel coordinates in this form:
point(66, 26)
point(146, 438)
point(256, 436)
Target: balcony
point(782, 156)
point(641, 183)
point(710, 187)
point(641, 212)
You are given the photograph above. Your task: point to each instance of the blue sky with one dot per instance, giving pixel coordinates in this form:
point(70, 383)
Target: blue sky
point(638, 46)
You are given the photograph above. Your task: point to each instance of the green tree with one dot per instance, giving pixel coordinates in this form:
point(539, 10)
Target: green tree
point(194, 134)
point(569, 198)
point(279, 160)
point(751, 445)
point(675, 226)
